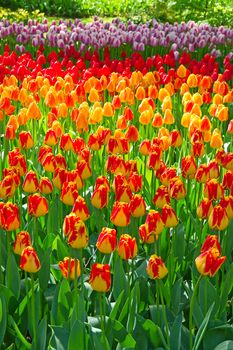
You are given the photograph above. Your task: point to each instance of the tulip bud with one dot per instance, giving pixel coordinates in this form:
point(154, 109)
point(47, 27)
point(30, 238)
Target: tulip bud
point(99, 198)
point(167, 174)
point(123, 193)
point(209, 262)
point(50, 138)
point(75, 229)
point(204, 208)
point(29, 260)
point(188, 167)
point(161, 197)
point(202, 173)
point(145, 235)
point(66, 143)
point(127, 247)
point(37, 205)
point(218, 219)
point(137, 206)
point(213, 190)
point(154, 158)
point(169, 216)
point(156, 268)
point(100, 277)
point(135, 182)
point(80, 208)
point(9, 216)
point(154, 223)
point(176, 189)
point(45, 185)
point(145, 147)
point(59, 177)
point(68, 266)
point(227, 203)
point(25, 140)
point(60, 161)
point(106, 242)
point(214, 171)
point(49, 162)
point(69, 193)
point(7, 187)
point(211, 241)
point(22, 240)
point(120, 215)
point(227, 181)
point(30, 184)
point(84, 169)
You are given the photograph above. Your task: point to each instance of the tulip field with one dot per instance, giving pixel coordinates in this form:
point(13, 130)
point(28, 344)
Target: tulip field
point(116, 186)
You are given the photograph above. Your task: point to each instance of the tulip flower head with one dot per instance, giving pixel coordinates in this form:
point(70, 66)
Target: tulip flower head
point(106, 242)
point(29, 260)
point(100, 277)
point(67, 267)
point(156, 268)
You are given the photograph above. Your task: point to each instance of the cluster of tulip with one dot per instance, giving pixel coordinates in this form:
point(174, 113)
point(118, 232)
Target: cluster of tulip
point(107, 157)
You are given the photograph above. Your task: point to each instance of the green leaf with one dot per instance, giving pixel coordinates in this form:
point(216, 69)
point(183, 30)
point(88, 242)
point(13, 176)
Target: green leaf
point(179, 242)
point(217, 335)
point(119, 278)
point(42, 331)
point(226, 287)
point(175, 337)
point(153, 332)
point(115, 309)
point(44, 272)
point(12, 275)
point(59, 338)
point(77, 336)
point(176, 296)
point(121, 335)
point(3, 318)
point(202, 329)
point(226, 345)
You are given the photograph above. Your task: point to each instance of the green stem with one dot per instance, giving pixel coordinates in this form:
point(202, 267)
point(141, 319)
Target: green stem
point(76, 287)
point(164, 313)
point(191, 312)
point(101, 295)
point(1, 273)
point(19, 334)
point(33, 311)
point(35, 232)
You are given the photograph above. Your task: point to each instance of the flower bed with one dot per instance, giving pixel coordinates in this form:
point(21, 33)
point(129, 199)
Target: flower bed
point(116, 187)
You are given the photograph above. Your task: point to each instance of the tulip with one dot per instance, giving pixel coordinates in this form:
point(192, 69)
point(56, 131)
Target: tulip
point(161, 197)
point(123, 193)
point(25, 140)
point(120, 215)
point(202, 173)
point(227, 203)
point(166, 175)
point(7, 187)
point(99, 198)
point(213, 190)
point(227, 181)
point(209, 262)
point(68, 266)
point(102, 180)
point(45, 185)
point(49, 162)
point(30, 183)
point(50, 138)
point(69, 192)
point(106, 242)
point(127, 247)
point(16, 159)
point(154, 158)
point(29, 260)
point(100, 277)
point(214, 171)
point(137, 206)
point(76, 232)
point(66, 143)
point(211, 241)
point(9, 216)
point(218, 219)
point(176, 189)
point(169, 216)
point(156, 268)
point(44, 150)
point(188, 167)
point(204, 208)
point(22, 240)
point(145, 235)
point(59, 177)
point(84, 169)
point(175, 138)
point(80, 208)
point(135, 182)
point(154, 223)
point(145, 147)
point(37, 205)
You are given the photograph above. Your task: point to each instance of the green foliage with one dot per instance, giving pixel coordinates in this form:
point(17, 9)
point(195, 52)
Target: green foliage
point(20, 14)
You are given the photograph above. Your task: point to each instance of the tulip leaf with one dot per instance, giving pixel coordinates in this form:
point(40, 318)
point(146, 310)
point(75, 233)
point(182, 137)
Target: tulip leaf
point(154, 333)
point(176, 296)
point(179, 242)
point(120, 334)
point(77, 338)
point(207, 294)
point(12, 275)
point(226, 345)
point(217, 335)
point(202, 328)
point(226, 287)
point(116, 307)
point(119, 279)
point(44, 272)
point(3, 318)
point(100, 342)
point(42, 331)
point(59, 338)
point(175, 337)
